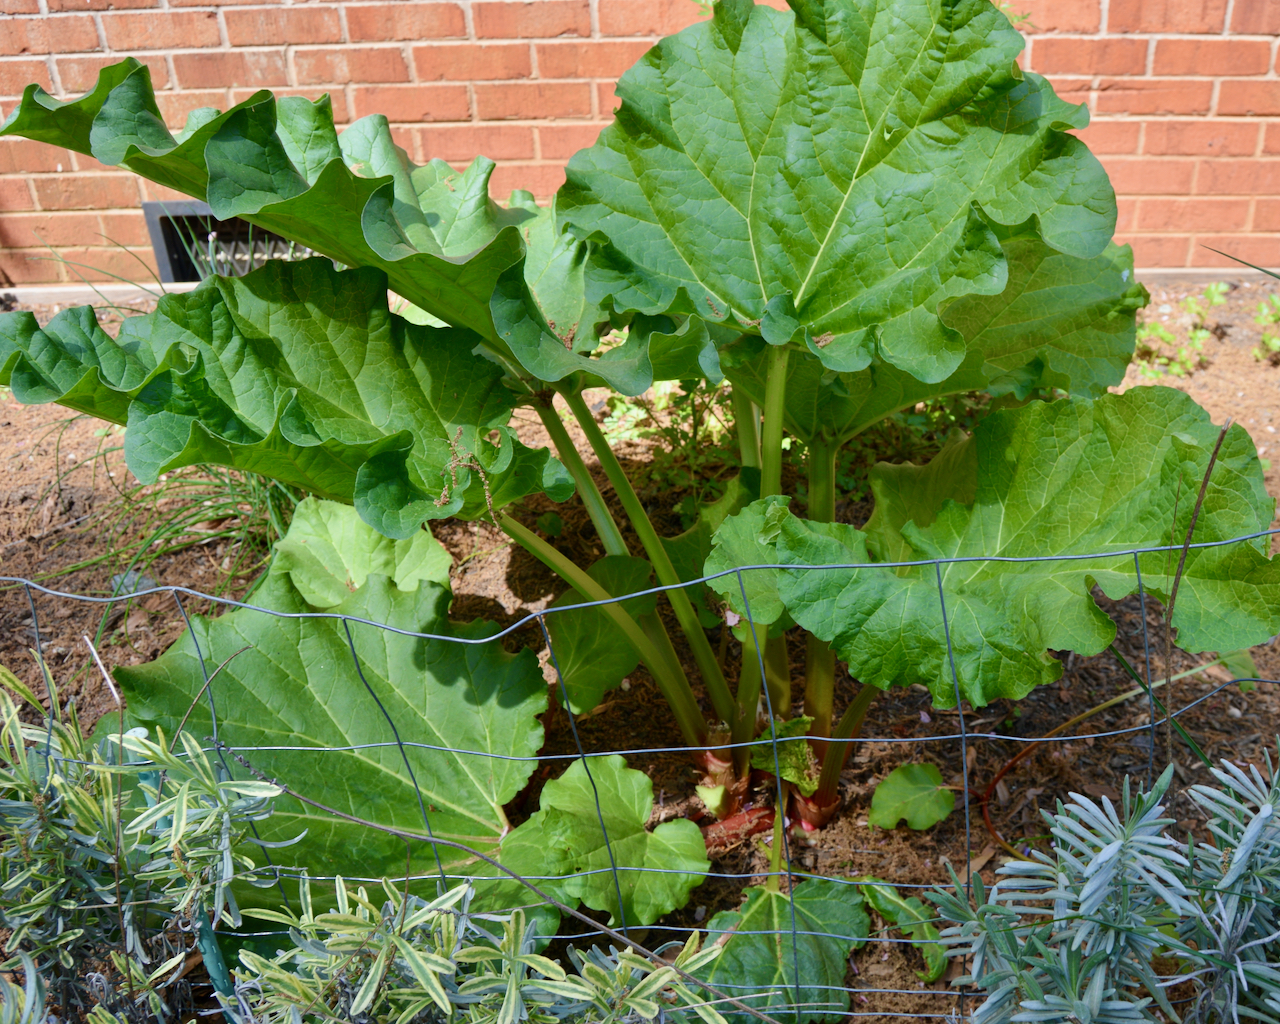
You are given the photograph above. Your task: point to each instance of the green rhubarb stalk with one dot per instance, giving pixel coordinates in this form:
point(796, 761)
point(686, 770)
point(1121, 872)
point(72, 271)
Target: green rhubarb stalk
point(606, 526)
point(777, 675)
point(746, 420)
point(820, 659)
point(712, 676)
point(775, 394)
point(675, 687)
point(850, 725)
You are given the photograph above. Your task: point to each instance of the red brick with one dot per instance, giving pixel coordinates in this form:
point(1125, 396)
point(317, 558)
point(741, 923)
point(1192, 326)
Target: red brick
point(541, 179)
point(16, 75)
point(350, 64)
point(534, 100)
point(465, 62)
point(48, 35)
point(1267, 215)
point(21, 156)
point(80, 74)
point(1072, 90)
point(1212, 57)
point(588, 60)
point(1158, 250)
point(294, 26)
point(1238, 177)
point(160, 31)
point(1256, 17)
point(1249, 98)
point(405, 19)
point(153, 193)
point(607, 98)
point(462, 143)
point(102, 263)
point(1200, 138)
point(1136, 176)
point(126, 228)
point(1154, 96)
point(33, 230)
point(1057, 15)
point(648, 17)
point(412, 103)
point(57, 6)
point(1193, 214)
point(14, 195)
point(539, 19)
point(21, 6)
point(1272, 142)
point(228, 68)
point(1111, 136)
point(561, 141)
point(176, 106)
point(337, 99)
point(218, 3)
point(27, 268)
point(1263, 250)
point(85, 191)
point(1126, 214)
point(1168, 15)
point(1065, 55)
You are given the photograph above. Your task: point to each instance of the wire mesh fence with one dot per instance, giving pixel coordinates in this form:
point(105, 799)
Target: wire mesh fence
point(851, 999)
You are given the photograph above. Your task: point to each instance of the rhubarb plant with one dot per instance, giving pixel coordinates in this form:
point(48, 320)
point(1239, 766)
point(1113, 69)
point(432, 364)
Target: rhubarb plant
point(837, 211)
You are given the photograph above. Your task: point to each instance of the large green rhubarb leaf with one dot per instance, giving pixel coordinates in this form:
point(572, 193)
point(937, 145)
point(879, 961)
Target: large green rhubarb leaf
point(765, 942)
point(281, 165)
point(443, 243)
point(298, 372)
point(1067, 478)
point(297, 686)
point(1061, 322)
point(833, 175)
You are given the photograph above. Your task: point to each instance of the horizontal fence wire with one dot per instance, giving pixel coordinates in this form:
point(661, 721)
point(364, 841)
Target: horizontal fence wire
point(857, 998)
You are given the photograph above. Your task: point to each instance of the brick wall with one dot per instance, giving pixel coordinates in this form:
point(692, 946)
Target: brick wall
point(1185, 95)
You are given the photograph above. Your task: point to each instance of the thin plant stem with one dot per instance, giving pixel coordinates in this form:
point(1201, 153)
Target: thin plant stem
point(712, 676)
point(775, 394)
point(849, 726)
point(606, 526)
point(746, 421)
point(1177, 579)
point(675, 687)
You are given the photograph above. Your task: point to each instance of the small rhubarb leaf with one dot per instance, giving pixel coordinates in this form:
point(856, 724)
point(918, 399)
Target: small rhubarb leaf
point(914, 792)
point(579, 808)
point(589, 654)
point(795, 759)
point(914, 919)
point(774, 961)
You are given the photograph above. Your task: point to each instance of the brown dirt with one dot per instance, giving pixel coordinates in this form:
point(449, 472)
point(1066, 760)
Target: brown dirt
point(56, 509)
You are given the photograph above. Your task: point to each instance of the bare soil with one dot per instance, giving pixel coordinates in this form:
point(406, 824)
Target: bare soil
point(65, 495)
